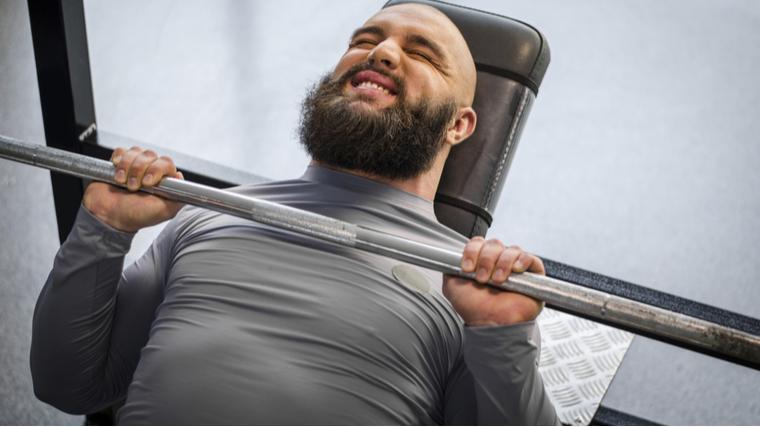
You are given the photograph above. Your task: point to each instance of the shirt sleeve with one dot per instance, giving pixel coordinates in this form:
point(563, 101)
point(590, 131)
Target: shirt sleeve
point(498, 382)
point(92, 320)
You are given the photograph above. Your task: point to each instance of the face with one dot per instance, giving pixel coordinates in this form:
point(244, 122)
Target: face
point(394, 99)
point(413, 44)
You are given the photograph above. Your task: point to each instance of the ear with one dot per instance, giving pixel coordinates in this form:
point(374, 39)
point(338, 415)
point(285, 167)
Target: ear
point(463, 127)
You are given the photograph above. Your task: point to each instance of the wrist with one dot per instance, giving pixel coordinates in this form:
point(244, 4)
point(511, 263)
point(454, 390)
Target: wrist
point(102, 216)
point(502, 320)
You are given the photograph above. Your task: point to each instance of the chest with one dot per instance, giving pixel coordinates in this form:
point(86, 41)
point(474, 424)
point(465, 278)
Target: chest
point(309, 297)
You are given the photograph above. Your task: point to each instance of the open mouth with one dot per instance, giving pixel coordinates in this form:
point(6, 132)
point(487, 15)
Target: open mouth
point(374, 81)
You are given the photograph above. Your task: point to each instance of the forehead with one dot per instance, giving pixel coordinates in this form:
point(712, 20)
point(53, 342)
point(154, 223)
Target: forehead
point(416, 19)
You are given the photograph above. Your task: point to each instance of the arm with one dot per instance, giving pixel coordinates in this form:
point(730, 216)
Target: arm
point(504, 364)
point(502, 342)
point(497, 381)
point(91, 321)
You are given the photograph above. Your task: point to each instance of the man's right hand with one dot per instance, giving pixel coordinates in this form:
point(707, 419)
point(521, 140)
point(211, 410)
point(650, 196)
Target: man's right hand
point(130, 210)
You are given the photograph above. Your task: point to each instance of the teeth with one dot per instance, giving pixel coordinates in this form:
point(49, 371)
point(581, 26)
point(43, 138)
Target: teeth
point(374, 86)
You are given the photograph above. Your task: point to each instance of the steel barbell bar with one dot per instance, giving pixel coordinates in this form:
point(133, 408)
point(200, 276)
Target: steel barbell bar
point(591, 303)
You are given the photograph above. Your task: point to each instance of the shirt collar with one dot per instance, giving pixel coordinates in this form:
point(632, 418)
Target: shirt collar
point(368, 187)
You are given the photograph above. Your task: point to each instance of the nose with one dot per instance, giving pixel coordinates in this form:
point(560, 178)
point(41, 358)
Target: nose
point(385, 55)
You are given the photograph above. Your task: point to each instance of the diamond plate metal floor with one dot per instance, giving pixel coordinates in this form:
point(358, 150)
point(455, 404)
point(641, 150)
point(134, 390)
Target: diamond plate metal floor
point(578, 360)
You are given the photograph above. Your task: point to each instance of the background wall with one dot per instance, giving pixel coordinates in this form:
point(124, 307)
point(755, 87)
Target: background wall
point(639, 161)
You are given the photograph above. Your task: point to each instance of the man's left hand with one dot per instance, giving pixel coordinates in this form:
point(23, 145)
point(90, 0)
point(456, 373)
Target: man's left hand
point(480, 305)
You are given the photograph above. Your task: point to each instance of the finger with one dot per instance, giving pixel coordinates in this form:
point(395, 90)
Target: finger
point(161, 167)
point(125, 164)
point(489, 254)
point(116, 155)
point(535, 265)
point(139, 167)
point(522, 263)
point(471, 252)
point(505, 264)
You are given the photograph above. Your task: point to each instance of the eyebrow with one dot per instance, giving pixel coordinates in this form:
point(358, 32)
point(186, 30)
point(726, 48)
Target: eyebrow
point(416, 39)
point(369, 29)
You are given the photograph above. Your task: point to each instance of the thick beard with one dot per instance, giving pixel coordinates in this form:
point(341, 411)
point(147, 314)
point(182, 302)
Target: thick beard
point(397, 142)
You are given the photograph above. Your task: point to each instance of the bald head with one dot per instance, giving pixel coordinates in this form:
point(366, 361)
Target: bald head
point(410, 54)
point(408, 80)
point(461, 59)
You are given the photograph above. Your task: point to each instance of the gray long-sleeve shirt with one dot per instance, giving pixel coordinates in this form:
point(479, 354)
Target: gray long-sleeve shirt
point(224, 320)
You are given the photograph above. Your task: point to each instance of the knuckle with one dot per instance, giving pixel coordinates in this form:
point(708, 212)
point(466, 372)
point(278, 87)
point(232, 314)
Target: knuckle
point(470, 254)
point(476, 242)
point(153, 169)
point(167, 163)
point(507, 257)
point(488, 258)
point(495, 242)
point(504, 264)
point(473, 246)
point(516, 248)
point(512, 253)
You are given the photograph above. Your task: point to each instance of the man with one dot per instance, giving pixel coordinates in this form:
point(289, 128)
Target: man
point(228, 321)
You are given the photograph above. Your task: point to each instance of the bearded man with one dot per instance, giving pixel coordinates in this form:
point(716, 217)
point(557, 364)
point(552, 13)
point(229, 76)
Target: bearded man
point(227, 321)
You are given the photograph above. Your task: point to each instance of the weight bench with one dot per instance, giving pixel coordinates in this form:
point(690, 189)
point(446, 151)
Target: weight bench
point(578, 357)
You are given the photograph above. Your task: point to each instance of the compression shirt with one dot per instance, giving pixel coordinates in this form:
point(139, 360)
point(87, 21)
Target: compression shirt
point(227, 321)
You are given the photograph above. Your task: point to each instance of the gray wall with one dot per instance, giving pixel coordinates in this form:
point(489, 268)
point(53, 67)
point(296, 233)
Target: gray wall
point(640, 159)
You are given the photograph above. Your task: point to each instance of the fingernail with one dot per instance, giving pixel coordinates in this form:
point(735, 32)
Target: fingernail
point(117, 160)
point(120, 176)
point(467, 266)
point(482, 275)
point(147, 179)
point(132, 183)
point(517, 265)
point(499, 275)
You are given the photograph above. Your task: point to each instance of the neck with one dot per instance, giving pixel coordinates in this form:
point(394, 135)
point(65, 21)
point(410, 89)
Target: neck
point(425, 185)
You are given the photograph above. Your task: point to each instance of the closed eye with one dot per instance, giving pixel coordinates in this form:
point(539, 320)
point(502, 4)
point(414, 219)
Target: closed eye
point(425, 57)
point(437, 59)
point(421, 55)
point(361, 42)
